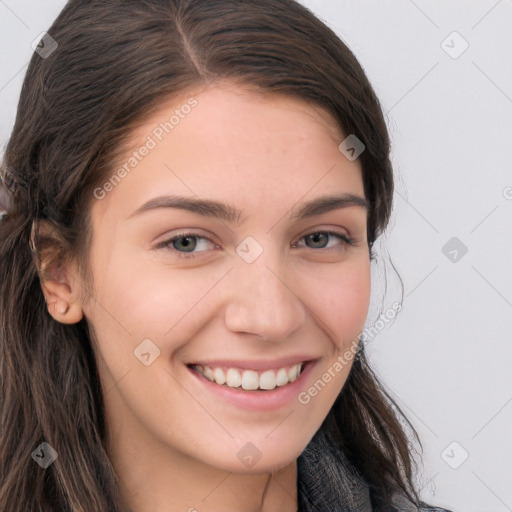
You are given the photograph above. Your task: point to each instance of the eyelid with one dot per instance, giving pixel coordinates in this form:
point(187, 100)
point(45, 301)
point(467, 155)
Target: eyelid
point(167, 243)
point(343, 236)
point(184, 234)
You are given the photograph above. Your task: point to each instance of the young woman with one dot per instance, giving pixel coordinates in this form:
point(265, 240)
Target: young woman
point(194, 190)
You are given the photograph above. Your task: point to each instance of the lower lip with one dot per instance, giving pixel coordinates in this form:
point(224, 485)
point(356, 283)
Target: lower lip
point(258, 400)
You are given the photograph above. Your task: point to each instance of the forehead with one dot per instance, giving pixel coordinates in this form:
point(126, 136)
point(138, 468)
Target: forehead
point(226, 140)
point(268, 110)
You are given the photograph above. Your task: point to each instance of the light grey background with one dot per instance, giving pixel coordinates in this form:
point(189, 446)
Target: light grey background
point(447, 357)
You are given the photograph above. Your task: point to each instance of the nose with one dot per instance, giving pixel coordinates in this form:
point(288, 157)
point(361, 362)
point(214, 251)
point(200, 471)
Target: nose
point(263, 301)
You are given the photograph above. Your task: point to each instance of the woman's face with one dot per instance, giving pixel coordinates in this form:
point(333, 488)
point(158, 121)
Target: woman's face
point(177, 286)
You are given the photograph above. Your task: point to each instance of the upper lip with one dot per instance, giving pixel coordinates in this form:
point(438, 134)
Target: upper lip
point(245, 364)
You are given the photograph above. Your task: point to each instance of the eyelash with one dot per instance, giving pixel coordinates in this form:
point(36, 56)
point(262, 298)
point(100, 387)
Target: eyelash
point(167, 244)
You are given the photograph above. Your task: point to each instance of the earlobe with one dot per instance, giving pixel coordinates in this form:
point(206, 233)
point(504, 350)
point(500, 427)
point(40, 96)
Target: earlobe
point(62, 303)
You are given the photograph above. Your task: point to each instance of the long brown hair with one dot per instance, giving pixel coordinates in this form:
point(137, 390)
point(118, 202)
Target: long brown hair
point(116, 61)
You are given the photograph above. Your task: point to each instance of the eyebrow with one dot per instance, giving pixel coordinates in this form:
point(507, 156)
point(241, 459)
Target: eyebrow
point(228, 213)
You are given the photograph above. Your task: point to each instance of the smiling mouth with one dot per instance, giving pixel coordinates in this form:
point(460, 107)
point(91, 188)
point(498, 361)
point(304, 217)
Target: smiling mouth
point(250, 380)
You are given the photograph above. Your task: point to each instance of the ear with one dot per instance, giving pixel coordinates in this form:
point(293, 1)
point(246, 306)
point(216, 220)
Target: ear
point(59, 276)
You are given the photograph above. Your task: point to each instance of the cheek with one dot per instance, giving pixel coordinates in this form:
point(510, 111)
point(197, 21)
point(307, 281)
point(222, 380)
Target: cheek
point(340, 299)
point(147, 299)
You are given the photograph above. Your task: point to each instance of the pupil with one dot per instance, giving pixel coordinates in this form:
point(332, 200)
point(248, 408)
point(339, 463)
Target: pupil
point(316, 235)
point(187, 244)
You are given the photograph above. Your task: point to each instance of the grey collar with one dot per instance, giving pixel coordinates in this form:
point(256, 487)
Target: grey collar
point(327, 482)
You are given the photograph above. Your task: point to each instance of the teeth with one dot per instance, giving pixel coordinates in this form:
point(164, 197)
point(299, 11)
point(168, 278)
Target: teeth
point(268, 380)
point(293, 373)
point(250, 379)
point(233, 378)
point(283, 377)
point(208, 373)
point(219, 376)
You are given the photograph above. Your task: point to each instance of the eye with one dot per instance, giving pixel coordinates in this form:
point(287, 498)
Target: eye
point(320, 237)
point(184, 245)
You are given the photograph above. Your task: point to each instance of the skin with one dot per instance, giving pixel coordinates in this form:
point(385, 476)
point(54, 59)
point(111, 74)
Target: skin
point(174, 444)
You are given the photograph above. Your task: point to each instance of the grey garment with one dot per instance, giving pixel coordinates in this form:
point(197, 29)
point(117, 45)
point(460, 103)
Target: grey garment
point(327, 482)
